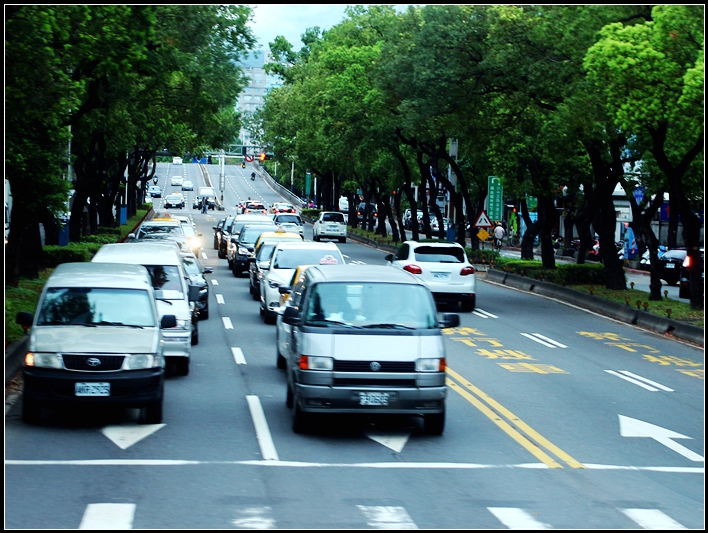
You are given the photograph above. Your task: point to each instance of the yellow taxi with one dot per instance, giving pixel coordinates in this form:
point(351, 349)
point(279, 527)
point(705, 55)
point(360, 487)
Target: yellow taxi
point(270, 239)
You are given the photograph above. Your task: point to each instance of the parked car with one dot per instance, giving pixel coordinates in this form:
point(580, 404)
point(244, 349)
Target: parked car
point(286, 257)
point(78, 349)
point(195, 271)
point(685, 274)
point(240, 255)
point(670, 265)
point(330, 225)
point(443, 267)
point(174, 200)
point(187, 185)
point(398, 366)
point(176, 181)
point(155, 191)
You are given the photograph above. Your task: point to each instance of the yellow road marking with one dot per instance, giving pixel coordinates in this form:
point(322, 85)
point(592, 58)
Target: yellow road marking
point(493, 414)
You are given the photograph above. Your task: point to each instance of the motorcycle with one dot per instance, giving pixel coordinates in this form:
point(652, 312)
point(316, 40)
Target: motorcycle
point(253, 176)
point(243, 165)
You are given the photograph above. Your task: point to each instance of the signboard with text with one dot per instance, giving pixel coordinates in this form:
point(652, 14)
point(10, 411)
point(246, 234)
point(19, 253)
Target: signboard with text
point(495, 198)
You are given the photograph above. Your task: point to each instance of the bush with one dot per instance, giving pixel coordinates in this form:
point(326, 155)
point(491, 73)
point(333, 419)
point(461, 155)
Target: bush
point(105, 230)
point(102, 238)
point(483, 257)
point(563, 274)
point(74, 252)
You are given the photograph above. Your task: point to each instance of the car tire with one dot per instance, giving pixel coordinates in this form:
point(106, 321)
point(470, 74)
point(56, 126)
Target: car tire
point(31, 411)
point(153, 413)
point(301, 419)
point(315, 238)
point(434, 423)
point(684, 291)
point(269, 317)
point(671, 282)
point(221, 254)
point(204, 314)
point(280, 361)
point(216, 244)
point(195, 333)
point(342, 239)
point(289, 397)
point(182, 366)
point(256, 295)
point(467, 306)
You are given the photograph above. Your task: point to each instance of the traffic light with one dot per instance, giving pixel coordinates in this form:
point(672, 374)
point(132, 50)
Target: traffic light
point(262, 157)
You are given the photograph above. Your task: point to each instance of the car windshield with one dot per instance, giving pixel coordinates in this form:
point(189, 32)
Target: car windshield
point(166, 281)
point(265, 251)
point(250, 234)
point(439, 254)
point(152, 229)
point(370, 305)
point(83, 306)
point(288, 218)
point(191, 265)
point(333, 217)
point(294, 257)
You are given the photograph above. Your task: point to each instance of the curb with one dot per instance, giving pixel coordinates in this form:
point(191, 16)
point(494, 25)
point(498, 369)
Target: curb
point(623, 313)
point(14, 355)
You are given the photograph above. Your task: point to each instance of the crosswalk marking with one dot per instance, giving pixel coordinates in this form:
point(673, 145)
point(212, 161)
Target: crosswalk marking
point(541, 339)
point(514, 518)
point(108, 516)
point(387, 517)
point(652, 519)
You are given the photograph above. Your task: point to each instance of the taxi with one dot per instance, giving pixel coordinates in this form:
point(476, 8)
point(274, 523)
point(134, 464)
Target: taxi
point(267, 239)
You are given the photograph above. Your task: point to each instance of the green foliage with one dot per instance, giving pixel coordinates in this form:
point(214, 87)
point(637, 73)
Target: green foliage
point(563, 274)
point(22, 298)
point(482, 257)
point(101, 238)
point(103, 230)
point(74, 252)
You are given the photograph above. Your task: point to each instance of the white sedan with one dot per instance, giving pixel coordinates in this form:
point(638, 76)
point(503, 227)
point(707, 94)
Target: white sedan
point(443, 266)
point(330, 225)
point(187, 185)
point(176, 181)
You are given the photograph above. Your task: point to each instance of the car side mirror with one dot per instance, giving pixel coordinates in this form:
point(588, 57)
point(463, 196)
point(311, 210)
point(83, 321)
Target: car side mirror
point(389, 257)
point(208, 270)
point(283, 289)
point(291, 316)
point(168, 321)
point(450, 320)
point(131, 235)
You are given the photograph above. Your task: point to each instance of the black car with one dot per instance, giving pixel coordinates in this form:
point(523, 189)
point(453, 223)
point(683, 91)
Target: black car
point(217, 231)
point(670, 266)
point(174, 200)
point(196, 272)
point(223, 236)
point(685, 275)
point(243, 251)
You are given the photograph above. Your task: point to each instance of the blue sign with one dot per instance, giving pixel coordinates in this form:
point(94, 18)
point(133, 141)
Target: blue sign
point(639, 194)
point(664, 212)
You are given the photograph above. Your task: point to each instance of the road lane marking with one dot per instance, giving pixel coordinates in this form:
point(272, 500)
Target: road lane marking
point(204, 255)
point(544, 340)
point(255, 518)
point(514, 518)
point(387, 517)
point(484, 314)
point(227, 322)
point(124, 436)
point(299, 464)
point(220, 299)
point(214, 281)
point(652, 519)
point(637, 380)
point(534, 439)
point(262, 432)
point(631, 427)
point(238, 356)
point(108, 516)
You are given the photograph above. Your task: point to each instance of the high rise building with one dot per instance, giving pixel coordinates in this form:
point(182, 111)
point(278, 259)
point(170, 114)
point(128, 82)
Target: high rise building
point(252, 96)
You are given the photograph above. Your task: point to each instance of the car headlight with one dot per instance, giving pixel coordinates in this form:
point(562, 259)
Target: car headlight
point(43, 360)
point(312, 362)
point(141, 361)
point(430, 365)
point(183, 323)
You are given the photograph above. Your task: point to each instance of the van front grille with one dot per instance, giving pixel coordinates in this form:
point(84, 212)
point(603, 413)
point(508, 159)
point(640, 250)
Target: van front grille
point(366, 382)
point(381, 366)
point(93, 362)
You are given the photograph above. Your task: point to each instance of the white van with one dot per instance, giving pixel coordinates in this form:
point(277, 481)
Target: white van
point(176, 160)
point(364, 339)
point(96, 338)
point(172, 290)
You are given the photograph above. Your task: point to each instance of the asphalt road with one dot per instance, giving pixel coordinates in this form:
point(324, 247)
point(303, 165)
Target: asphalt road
point(557, 418)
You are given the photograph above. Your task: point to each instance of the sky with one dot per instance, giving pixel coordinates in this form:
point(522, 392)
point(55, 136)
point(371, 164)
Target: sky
point(291, 20)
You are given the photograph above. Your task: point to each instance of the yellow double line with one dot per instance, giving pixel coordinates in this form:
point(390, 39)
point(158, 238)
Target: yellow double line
point(522, 433)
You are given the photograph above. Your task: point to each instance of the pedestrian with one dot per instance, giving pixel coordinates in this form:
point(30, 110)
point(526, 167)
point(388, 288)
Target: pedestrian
point(498, 235)
point(205, 204)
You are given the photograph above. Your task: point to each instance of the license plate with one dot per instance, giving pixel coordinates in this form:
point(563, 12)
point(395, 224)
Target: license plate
point(669, 265)
point(92, 389)
point(333, 228)
point(441, 275)
point(373, 398)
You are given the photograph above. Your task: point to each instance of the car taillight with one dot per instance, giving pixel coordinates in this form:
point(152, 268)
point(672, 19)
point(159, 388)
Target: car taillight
point(687, 262)
point(467, 271)
point(413, 269)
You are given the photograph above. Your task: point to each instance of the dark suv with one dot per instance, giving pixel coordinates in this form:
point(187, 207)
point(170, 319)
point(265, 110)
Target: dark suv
point(223, 235)
point(670, 266)
point(685, 275)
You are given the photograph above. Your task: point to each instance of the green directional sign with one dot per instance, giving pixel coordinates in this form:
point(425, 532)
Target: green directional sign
point(308, 180)
point(495, 198)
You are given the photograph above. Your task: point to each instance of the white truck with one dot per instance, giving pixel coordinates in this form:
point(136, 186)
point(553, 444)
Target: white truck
point(210, 195)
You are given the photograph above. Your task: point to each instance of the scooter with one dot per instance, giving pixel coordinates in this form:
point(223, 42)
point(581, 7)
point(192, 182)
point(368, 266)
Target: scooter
point(253, 176)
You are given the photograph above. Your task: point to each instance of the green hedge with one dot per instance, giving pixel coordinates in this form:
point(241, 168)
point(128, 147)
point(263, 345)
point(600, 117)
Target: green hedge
point(74, 252)
point(563, 274)
point(102, 238)
point(105, 230)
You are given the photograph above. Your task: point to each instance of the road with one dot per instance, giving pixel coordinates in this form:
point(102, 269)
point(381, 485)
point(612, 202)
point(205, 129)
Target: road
point(557, 418)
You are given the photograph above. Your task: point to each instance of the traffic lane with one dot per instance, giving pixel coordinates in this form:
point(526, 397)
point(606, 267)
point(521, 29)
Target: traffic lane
point(538, 380)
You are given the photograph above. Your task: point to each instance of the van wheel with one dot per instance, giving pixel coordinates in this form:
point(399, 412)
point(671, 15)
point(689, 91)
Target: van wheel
point(289, 397)
point(256, 294)
point(279, 360)
point(31, 412)
point(434, 423)
point(204, 315)
point(301, 419)
point(153, 413)
point(269, 318)
point(467, 306)
point(342, 239)
point(182, 366)
point(315, 238)
point(195, 336)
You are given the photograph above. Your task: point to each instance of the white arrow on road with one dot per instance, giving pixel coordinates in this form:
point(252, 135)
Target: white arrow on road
point(394, 440)
point(631, 427)
point(125, 435)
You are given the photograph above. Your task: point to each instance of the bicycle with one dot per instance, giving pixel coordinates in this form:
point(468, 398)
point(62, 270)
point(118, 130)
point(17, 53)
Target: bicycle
point(514, 240)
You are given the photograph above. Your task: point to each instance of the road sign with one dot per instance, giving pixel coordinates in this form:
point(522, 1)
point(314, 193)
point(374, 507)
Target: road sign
point(495, 198)
point(483, 221)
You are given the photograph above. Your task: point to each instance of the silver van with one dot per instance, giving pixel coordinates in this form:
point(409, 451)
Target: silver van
point(96, 338)
point(364, 339)
point(173, 292)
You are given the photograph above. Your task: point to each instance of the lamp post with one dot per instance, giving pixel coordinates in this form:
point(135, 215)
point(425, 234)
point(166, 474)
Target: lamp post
point(292, 175)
